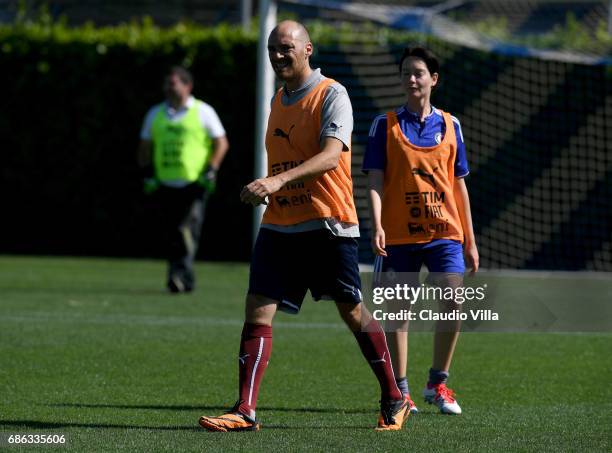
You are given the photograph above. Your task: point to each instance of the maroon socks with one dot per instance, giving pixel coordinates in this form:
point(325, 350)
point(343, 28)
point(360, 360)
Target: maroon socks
point(373, 345)
point(255, 349)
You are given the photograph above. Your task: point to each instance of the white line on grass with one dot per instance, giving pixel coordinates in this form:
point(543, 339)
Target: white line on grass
point(518, 273)
point(149, 320)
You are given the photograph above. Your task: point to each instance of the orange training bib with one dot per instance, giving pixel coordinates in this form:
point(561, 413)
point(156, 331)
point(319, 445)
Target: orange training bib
point(418, 203)
point(292, 137)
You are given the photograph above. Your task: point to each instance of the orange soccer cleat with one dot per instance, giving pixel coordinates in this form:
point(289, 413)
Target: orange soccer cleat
point(232, 421)
point(393, 414)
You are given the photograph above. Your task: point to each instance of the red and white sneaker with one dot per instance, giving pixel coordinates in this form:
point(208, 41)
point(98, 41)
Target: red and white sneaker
point(411, 406)
point(442, 396)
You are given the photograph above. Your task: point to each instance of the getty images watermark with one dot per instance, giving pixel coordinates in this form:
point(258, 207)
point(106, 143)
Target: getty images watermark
point(488, 301)
point(408, 295)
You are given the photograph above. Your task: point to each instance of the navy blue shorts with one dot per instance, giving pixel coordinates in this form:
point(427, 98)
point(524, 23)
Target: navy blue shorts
point(285, 266)
point(443, 256)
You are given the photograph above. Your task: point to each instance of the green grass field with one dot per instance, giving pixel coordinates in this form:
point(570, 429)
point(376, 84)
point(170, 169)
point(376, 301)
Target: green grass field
point(95, 349)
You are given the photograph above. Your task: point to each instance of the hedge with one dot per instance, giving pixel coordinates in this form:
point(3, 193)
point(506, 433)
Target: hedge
point(73, 106)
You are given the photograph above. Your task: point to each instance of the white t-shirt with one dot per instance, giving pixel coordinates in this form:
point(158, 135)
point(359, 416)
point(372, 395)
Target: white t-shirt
point(209, 118)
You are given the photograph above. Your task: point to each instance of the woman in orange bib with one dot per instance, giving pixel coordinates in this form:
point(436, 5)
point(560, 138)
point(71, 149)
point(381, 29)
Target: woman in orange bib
point(420, 210)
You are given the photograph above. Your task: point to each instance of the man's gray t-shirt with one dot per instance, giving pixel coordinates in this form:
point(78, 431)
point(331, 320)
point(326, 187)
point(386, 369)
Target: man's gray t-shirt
point(336, 122)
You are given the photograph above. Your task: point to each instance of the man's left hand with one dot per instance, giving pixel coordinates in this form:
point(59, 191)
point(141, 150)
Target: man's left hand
point(256, 192)
point(208, 179)
point(471, 257)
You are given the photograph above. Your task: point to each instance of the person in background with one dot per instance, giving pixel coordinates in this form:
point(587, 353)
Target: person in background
point(182, 146)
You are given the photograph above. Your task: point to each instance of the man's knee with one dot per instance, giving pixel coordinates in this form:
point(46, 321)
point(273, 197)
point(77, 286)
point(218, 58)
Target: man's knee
point(259, 309)
point(354, 315)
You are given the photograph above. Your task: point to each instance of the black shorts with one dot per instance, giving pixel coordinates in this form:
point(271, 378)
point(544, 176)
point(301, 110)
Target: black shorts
point(285, 265)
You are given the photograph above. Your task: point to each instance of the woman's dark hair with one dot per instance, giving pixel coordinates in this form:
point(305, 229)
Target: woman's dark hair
point(431, 61)
point(182, 73)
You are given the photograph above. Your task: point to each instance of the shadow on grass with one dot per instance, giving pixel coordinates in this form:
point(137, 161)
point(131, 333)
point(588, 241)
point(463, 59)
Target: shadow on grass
point(194, 407)
point(35, 424)
point(86, 291)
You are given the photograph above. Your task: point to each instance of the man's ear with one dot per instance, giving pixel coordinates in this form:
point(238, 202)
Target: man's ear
point(434, 79)
point(308, 48)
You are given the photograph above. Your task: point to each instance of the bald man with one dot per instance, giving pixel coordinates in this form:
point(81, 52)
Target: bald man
point(307, 240)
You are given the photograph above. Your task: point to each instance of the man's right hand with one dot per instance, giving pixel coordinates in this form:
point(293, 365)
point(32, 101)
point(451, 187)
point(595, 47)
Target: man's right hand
point(256, 192)
point(150, 185)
